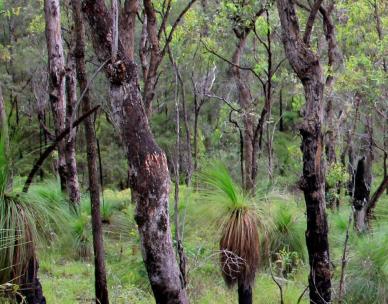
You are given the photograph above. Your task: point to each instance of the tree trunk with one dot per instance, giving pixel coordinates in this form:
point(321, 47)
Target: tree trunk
point(149, 176)
point(71, 163)
point(56, 68)
point(245, 101)
point(244, 294)
point(361, 194)
point(281, 119)
point(308, 68)
point(363, 181)
point(196, 117)
point(101, 288)
point(30, 286)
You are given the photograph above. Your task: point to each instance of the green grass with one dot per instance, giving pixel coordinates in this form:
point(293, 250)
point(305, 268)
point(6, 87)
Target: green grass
point(68, 279)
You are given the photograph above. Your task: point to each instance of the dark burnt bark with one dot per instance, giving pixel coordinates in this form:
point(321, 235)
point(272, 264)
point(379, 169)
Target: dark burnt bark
point(361, 194)
point(56, 68)
point(101, 288)
point(149, 176)
point(363, 180)
point(30, 287)
point(307, 66)
point(244, 294)
point(73, 189)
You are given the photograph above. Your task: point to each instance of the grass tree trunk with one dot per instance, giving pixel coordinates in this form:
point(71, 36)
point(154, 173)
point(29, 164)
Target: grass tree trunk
point(30, 288)
point(56, 69)
point(244, 294)
point(101, 287)
point(307, 66)
point(71, 163)
point(149, 176)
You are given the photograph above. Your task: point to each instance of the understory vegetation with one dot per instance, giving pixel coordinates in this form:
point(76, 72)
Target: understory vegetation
point(66, 261)
point(194, 151)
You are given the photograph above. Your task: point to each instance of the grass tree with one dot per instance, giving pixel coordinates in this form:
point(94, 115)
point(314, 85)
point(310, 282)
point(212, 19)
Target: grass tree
point(25, 219)
point(239, 243)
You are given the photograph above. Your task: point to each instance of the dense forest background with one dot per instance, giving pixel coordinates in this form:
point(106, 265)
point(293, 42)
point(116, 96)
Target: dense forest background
point(156, 150)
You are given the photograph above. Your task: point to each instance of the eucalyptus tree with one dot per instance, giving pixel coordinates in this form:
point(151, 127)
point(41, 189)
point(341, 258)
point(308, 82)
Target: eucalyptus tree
point(61, 110)
point(149, 176)
point(101, 288)
point(308, 68)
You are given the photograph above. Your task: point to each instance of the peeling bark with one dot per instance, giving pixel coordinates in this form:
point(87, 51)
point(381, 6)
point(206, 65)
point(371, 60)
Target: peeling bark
point(149, 176)
point(56, 68)
point(73, 188)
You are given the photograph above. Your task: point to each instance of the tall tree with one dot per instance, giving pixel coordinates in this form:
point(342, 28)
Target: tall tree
point(101, 288)
point(73, 188)
point(149, 176)
point(307, 66)
point(57, 72)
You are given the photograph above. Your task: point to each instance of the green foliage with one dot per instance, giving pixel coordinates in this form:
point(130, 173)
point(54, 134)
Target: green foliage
point(287, 263)
point(336, 173)
point(286, 231)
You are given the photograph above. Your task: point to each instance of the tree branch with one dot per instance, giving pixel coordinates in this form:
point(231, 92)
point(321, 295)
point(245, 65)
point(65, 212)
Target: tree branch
point(310, 22)
point(51, 148)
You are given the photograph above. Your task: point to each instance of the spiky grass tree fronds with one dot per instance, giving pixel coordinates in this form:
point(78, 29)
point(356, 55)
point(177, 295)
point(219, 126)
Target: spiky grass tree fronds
point(27, 220)
point(239, 244)
point(81, 235)
point(239, 247)
point(286, 231)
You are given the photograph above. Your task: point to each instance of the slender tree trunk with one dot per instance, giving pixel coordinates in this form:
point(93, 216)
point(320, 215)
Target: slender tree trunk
point(71, 163)
point(189, 172)
point(101, 288)
point(189, 168)
point(178, 235)
point(3, 123)
point(56, 67)
point(196, 117)
point(307, 66)
point(245, 100)
point(281, 119)
point(149, 176)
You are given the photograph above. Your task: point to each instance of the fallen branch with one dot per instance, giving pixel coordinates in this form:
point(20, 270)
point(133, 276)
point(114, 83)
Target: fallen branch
point(52, 147)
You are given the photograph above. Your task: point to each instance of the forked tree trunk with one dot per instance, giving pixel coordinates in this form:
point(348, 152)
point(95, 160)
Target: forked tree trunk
point(56, 68)
point(308, 68)
point(101, 288)
point(149, 176)
point(71, 163)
